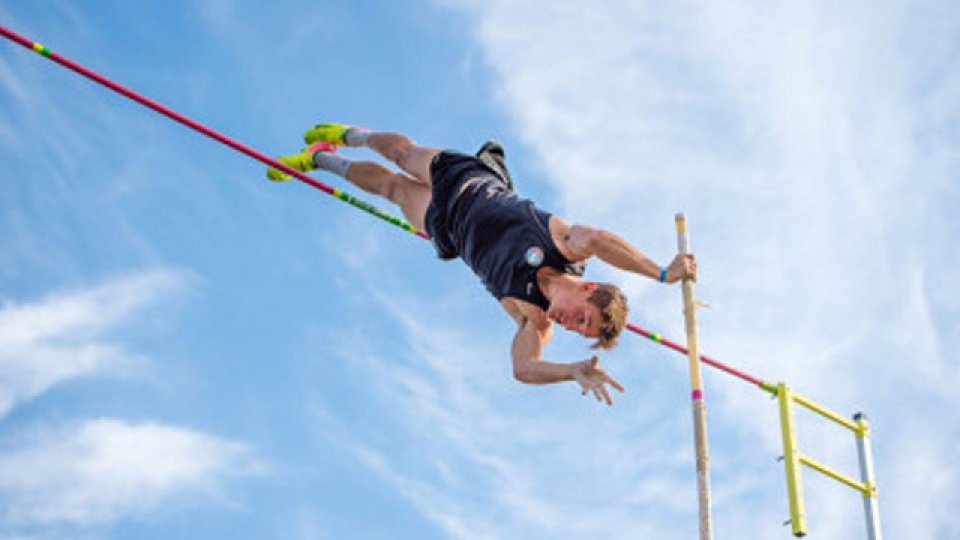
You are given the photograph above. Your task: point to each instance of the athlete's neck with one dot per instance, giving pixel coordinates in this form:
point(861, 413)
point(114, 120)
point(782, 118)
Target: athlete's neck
point(553, 282)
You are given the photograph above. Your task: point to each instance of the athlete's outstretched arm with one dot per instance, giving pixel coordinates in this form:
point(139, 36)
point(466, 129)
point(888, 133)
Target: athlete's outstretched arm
point(529, 368)
point(586, 242)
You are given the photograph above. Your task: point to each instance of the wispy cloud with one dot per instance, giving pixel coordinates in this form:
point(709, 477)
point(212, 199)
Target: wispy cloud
point(78, 475)
point(66, 336)
point(97, 471)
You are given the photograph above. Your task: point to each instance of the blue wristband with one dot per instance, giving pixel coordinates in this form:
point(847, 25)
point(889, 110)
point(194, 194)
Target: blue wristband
point(663, 275)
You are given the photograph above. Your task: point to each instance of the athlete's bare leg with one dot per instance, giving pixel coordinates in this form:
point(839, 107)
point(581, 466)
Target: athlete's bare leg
point(410, 194)
point(409, 156)
point(411, 189)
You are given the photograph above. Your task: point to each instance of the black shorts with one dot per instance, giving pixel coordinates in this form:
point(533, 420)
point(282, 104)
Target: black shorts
point(448, 171)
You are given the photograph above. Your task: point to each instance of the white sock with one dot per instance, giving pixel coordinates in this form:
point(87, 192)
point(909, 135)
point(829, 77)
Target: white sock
point(334, 163)
point(356, 136)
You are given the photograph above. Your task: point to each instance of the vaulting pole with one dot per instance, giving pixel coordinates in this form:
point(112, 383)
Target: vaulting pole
point(696, 389)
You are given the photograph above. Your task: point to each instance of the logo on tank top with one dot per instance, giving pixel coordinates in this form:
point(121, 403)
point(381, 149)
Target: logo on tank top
point(534, 256)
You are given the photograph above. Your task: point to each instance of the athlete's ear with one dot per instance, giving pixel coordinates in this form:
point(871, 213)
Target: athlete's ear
point(589, 285)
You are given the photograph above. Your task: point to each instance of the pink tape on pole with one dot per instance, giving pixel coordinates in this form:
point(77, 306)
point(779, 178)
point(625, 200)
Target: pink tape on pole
point(697, 395)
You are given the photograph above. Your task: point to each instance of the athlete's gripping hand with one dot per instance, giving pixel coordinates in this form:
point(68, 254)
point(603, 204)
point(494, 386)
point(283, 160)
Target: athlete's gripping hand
point(682, 267)
point(593, 378)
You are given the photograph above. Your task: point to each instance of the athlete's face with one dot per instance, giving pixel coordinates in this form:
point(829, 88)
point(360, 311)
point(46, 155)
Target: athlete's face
point(576, 314)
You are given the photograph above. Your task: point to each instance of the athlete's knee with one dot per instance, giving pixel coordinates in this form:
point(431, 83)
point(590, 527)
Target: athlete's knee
point(394, 188)
point(397, 147)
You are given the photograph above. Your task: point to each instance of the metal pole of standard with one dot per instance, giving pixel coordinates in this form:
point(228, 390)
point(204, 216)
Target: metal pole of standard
point(696, 389)
point(871, 505)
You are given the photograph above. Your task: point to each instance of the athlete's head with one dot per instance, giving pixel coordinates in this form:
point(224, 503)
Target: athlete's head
point(594, 310)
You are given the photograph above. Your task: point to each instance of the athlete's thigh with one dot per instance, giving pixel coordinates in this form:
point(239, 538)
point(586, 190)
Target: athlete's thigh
point(417, 162)
point(413, 197)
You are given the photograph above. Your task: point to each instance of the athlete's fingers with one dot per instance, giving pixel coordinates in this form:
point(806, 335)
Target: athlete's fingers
point(613, 382)
point(606, 395)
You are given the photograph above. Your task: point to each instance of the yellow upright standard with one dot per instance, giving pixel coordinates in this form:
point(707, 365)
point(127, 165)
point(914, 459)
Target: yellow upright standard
point(696, 390)
point(793, 459)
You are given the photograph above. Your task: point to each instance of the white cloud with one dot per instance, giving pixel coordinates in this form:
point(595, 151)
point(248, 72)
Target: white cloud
point(99, 470)
point(66, 336)
point(73, 478)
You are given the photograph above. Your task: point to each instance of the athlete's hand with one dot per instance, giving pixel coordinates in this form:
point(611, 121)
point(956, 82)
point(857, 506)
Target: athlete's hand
point(682, 267)
point(593, 378)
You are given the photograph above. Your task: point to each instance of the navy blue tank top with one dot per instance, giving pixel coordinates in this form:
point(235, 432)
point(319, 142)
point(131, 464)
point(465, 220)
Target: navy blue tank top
point(504, 239)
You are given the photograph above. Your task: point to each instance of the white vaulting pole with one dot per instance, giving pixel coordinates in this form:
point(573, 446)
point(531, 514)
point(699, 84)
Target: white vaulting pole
point(696, 390)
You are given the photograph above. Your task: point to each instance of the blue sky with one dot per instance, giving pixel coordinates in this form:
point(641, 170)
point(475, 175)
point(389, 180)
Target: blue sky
point(190, 351)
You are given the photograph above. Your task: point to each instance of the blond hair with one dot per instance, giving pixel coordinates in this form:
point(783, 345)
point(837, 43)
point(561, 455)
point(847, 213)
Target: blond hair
point(612, 304)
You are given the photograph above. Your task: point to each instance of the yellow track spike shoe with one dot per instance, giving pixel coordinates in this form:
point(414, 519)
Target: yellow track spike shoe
point(328, 133)
point(302, 162)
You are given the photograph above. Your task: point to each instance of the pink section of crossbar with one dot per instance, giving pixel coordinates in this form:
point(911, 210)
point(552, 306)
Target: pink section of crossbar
point(703, 358)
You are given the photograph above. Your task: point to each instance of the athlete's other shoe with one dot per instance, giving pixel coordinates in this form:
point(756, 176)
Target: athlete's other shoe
point(329, 133)
point(302, 162)
point(493, 156)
